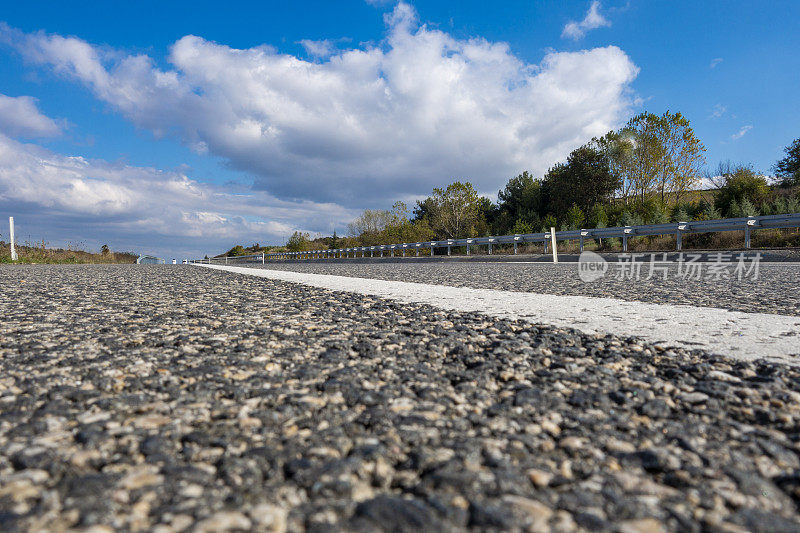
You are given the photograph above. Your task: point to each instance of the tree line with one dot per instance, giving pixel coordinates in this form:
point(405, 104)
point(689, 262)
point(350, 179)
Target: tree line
point(647, 172)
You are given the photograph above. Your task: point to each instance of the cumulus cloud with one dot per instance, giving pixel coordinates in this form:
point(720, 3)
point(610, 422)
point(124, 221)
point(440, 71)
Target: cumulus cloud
point(19, 117)
point(366, 124)
point(742, 131)
point(321, 49)
point(592, 20)
point(63, 197)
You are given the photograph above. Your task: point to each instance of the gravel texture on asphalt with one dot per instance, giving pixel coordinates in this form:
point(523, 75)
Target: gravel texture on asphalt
point(166, 398)
point(776, 290)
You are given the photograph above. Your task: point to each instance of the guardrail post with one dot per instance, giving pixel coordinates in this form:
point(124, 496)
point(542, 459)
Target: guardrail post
point(262, 258)
point(490, 248)
point(678, 239)
point(417, 251)
point(625, 239)
point(515, 247)
point(581, 241)
point(545, 242)
point(553, 238)
point(467, 249)
point(752, 222)
point(448, 249)
point(226, 259)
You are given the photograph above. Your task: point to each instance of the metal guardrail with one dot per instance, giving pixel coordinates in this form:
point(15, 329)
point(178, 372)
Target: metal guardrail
point(748, 224)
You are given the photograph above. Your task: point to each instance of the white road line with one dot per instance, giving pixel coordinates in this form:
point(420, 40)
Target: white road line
point(741, 335)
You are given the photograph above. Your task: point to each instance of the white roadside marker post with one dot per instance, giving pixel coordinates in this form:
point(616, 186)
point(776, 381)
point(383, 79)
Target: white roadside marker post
point(11, 232)
point(553, 239)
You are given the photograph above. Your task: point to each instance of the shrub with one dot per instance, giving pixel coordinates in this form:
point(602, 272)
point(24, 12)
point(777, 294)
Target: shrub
point(681, 214)
point(740, 184)
point(520, 227)
point(630, 219)
point(574, 217)
point(549, 222)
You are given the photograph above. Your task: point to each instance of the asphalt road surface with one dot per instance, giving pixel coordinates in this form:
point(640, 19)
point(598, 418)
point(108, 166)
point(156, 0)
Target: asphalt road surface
point(775, 289)
point(176, 398)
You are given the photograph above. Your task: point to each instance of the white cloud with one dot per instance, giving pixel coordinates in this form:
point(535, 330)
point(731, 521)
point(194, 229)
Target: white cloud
point(320, 49)
point(143, 206)
point(366, 125)
point(19, 117)
point(718, 111)
point(714, 62)
point(742, 131)
point(592, 20)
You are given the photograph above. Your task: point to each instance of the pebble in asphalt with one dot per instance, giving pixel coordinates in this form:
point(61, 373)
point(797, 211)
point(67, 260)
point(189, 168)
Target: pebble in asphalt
point(172, 398)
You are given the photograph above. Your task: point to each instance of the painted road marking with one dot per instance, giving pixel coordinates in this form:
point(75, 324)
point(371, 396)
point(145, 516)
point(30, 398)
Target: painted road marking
point(740, 335)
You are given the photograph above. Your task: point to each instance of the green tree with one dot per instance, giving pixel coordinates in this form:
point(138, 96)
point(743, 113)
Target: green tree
point(370, 227)
point(298, 242)
point(788, 168)
point(399, 228)
point(487, 214)
point(683, 156)
point(681, 214)
point(521, 227)
point(740, 183)
point(549, 222)
point(521, 199)
point(584, 180)
point(335, 241)
point(654, 154)
point(644, 154)
point(598, 218)
point(574, 217)
point(455, 210)
point(618, 147)
point(707, 211)
point(629, 218)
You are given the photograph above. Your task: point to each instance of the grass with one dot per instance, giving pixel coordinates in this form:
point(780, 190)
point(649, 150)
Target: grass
point(40, 253)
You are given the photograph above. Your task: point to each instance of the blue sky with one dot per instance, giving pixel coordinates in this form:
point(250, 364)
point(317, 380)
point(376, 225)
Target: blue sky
point(117, 127)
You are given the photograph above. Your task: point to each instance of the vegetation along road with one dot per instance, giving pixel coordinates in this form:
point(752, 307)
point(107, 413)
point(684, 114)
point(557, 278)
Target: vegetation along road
point(131, 399)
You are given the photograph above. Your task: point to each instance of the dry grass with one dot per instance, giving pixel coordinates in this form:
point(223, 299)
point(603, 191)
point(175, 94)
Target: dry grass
point(40, 253)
